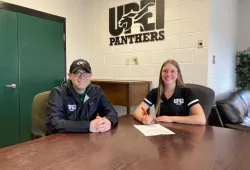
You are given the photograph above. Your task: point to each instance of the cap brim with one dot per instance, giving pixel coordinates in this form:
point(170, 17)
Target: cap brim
point(81, 68)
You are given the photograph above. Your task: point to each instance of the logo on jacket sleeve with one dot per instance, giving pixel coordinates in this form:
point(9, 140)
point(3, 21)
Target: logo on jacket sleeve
point(178, 101)
point(72, 107)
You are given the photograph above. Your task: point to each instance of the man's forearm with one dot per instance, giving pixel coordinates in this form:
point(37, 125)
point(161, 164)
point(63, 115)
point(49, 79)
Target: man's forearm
point(113, 118)
point(60, 125)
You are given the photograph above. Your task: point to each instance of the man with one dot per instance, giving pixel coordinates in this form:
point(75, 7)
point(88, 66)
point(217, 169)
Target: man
point(78, 105)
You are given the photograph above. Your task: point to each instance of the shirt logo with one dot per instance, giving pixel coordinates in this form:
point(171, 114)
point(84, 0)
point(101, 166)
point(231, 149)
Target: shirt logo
point(72, 107)
point(178, 101)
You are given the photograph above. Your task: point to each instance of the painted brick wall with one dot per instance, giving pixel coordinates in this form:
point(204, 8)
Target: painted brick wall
point(186, 22)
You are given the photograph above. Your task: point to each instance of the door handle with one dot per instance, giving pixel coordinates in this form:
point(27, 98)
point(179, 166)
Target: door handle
point(11, 86)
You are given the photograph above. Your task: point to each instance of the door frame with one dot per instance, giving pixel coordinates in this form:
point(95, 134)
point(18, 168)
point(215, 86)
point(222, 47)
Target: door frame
point(39, 14)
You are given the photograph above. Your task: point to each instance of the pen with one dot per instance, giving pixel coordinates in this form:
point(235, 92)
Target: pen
point(145, 112)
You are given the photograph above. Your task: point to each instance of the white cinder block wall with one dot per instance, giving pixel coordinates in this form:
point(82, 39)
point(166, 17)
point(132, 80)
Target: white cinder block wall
point(223, 45)
point(244, 25)
point(186, 22)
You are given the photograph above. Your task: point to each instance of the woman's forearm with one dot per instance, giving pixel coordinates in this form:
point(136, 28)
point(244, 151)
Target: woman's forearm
point(192, 119)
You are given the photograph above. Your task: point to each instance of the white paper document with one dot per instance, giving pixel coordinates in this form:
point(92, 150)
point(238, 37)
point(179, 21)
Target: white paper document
point(153, 130)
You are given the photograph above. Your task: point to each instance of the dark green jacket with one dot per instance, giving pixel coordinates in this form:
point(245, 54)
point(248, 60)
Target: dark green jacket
point(66, 112)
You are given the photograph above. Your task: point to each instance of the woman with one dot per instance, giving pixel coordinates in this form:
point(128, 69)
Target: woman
point(173, 101)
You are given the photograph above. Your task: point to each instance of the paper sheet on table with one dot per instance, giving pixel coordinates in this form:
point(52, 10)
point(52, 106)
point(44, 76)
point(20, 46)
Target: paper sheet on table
point(153, 130)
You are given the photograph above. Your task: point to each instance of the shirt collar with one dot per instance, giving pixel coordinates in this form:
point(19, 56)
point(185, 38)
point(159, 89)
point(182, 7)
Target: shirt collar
point(177, 92)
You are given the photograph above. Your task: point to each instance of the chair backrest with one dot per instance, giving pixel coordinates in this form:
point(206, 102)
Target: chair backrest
point(39, 111)
point(205, 95)
point(236, 108)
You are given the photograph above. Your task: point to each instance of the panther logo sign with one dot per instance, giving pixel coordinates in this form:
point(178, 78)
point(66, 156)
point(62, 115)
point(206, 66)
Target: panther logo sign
point(123, 18)
point(134, 17)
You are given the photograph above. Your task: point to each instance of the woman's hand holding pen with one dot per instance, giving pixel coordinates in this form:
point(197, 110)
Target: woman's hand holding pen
point(147, 119)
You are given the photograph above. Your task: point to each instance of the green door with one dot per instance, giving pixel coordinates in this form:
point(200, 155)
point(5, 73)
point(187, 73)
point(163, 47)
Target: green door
point(9, 97)
point(42, 62)
point(32, 57)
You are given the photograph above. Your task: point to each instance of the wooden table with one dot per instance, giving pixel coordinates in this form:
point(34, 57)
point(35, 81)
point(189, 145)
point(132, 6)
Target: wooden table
point(124, 92)
point(191, 148)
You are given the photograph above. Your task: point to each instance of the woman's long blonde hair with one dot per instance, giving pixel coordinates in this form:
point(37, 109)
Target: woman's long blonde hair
point(179, 83)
